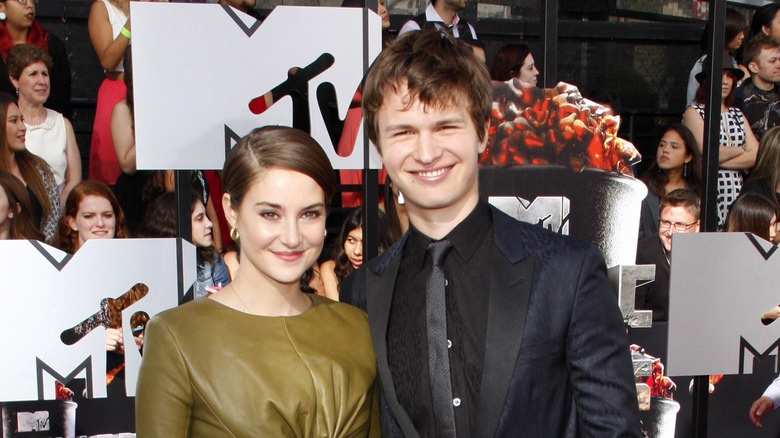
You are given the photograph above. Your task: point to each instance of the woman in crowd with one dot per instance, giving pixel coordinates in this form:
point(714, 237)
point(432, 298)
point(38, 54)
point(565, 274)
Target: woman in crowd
point(160, 221)
point(17, 26)
point(16, 221)
point(31, 170)
point(677, 165)
point(515, 61)
point(109, 30)
point(753, 213)
point(766, 20)
point(734, 35)
point(49, 135)
point(91, 212)
point(765, 177)
point(307, 363)
point(348, 255)
point(738, 145)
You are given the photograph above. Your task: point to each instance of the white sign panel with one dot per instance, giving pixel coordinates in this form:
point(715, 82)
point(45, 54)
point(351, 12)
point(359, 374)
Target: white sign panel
point(205, 75)
point(720, 284)
point(52, 307)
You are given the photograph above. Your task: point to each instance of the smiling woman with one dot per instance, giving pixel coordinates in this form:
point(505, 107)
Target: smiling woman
point(91, 212)
point(307, 363)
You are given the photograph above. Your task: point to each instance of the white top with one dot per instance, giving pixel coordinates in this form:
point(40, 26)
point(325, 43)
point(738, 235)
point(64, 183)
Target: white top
point(117, 18)
point(432, 16)
point(773, 392)
point(48, 141)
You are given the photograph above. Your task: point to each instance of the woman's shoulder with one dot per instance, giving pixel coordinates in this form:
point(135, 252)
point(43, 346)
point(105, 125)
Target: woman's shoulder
point(346, 310)
point(183, 314)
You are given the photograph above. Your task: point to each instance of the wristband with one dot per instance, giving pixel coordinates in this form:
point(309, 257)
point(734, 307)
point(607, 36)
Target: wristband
point(125, 32)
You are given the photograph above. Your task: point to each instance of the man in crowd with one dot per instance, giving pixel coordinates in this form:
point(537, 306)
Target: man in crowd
point(679, 214)
point(759, 96)
point(482, 325)
point(443, 16)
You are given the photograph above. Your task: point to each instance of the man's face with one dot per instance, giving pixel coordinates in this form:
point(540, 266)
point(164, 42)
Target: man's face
point(767, 65)
point(455, 4)
point(671, 219)
point(430, 152)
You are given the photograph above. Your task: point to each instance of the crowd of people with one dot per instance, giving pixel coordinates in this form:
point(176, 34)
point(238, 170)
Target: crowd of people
point(263, 266)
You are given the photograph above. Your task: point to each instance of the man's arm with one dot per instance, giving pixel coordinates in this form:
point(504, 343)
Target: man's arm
point(353, 289)
point(598, 356)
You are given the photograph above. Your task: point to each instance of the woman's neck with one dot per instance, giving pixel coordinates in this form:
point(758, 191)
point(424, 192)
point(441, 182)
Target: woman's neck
point(676, 180)
point(18, 35)
point(723, 107)
point(258, 295)
point(34, 114)
point(13, 168)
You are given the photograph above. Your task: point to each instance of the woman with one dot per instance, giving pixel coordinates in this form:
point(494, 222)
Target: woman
point(49, 135)
point(734, 35)
point(109, 31)
point(753, 213)
point(160, 221)
point(31, 170)
point(307, 365)
point(677, 166)
point(91, 212)
point(17, 26)
point(515, 61)
point(16, 221)
point(765, 177)
point(348, 255)
point(766, 20)
point(738, 145)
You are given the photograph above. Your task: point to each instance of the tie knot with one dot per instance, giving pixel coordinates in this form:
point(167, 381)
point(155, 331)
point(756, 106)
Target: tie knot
point(438, 250)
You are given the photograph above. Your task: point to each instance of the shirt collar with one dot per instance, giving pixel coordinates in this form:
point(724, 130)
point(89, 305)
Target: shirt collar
point(432, 16)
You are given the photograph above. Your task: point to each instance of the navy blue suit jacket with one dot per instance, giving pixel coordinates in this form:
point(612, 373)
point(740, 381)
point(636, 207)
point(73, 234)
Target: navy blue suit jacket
point(557, 362)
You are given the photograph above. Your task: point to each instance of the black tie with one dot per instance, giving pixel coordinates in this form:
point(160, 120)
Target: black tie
point(438, 356)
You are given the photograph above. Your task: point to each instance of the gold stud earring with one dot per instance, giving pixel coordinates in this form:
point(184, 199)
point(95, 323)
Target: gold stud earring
point(234, 233)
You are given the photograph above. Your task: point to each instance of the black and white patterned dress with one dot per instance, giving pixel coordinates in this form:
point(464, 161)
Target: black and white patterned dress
point(732, 134)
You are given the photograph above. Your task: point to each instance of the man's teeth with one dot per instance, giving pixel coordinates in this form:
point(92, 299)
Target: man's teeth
point(433, 173)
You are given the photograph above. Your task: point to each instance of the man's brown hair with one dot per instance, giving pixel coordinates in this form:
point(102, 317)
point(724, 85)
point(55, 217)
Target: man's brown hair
point(682, 198)
point(436, 69)
point(754, 47)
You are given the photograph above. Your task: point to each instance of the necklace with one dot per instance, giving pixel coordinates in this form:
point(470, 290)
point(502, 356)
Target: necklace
point(246, 308)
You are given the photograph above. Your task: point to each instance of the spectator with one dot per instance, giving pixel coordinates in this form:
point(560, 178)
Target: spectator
point(442, 15)
point(91, 212)
point(677, 165)
point(31, 170)
point(753, 213)
point(734, 35)
point(18, 25)
point(759, 96)
point(109, 30)
point(49, 135)
point(679, 214)
point(738, 145)
point(16, 221)
point(765, 177)
point(766, 20)
point(515, 61)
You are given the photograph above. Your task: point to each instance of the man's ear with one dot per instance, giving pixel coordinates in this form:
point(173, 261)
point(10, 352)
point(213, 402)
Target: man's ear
point(753, 67)
point(483, 142)
point(227, 206)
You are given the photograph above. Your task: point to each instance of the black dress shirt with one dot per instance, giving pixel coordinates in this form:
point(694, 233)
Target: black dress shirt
point(467, 270)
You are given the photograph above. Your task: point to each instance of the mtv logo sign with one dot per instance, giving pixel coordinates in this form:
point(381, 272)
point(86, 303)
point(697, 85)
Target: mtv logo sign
point(548, 212)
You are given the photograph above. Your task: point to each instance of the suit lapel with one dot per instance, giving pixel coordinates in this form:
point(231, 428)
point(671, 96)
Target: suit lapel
point(510, 290)
point(379, 298)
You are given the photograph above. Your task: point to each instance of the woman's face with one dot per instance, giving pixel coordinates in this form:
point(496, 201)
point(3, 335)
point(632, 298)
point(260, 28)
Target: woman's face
point(736, 42)
point(14, 128)
point(33, 84)
point(201, 226)
point(528, 71)
point(281, 223)
point(95, 219)
point(353, 247)
point(773, 30)
point(381, 9)
point(773, 228)
point(6, 212)
point(671, 153)
point(20, 16)
point(727, 83)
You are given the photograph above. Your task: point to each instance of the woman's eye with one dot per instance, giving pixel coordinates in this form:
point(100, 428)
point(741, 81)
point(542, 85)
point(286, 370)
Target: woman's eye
point(269, 214)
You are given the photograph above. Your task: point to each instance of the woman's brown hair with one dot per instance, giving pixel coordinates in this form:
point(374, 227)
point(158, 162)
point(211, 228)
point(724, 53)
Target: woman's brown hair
point(66, 239)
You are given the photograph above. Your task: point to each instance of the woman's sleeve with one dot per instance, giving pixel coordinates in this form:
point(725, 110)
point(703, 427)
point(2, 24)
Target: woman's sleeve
point(49, 221)
point(163, 396)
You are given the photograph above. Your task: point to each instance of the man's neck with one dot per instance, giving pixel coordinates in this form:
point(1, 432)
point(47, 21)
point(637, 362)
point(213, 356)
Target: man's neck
point(437, 223)
point(446, 13)
point(762, 84)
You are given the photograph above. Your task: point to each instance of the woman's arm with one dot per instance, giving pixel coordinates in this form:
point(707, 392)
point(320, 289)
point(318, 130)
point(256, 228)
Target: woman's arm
point(124, 137)
point(73, 171)
point(747, 159)
point(695, 123)
point(329, 279)
point(109, 50)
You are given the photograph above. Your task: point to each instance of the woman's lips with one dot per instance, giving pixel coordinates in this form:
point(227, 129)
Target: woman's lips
point(289, 256)
point(356, 262)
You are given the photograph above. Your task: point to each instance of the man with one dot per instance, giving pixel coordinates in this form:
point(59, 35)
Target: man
point(759, 96)
point(679, 214)
point(443, 16)
point(529, 341)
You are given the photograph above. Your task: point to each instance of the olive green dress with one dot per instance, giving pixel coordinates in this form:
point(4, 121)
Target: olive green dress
point(211, 371)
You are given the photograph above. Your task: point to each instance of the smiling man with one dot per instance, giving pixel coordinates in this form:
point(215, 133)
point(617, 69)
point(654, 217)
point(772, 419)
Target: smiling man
point(482, 325)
